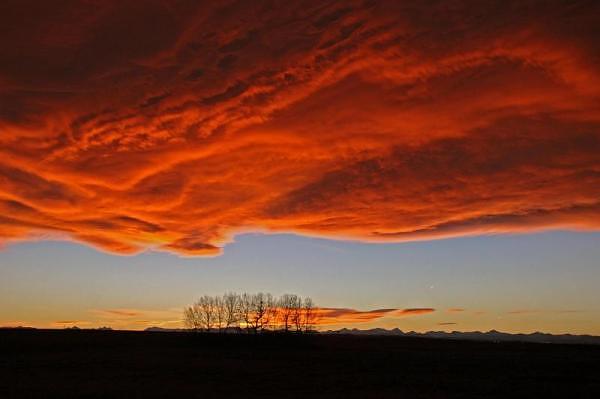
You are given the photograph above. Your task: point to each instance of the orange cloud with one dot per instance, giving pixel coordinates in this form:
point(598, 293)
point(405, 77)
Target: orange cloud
point(174, 126)
point(350, 316)
point(528, 311)
point(119, 312)
point(523, 311)
point(413, 312)
point(14, 323)
point(455, 310)
point(70, 323)
point(136, 318)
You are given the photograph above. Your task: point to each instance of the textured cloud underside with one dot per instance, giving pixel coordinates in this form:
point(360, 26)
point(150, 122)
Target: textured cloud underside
point(173, 125)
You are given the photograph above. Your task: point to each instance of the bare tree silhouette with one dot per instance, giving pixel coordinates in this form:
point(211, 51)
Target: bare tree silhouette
point(219, 312)
point(286, 304)
point(246, 310)
point(259, 311)
point(297, 314)
point(231, 303)
point(191, 318)
point(310, 315)
point(252, 312)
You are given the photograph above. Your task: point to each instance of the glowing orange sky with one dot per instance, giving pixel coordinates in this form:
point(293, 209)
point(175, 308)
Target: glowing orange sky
point(139, 319)
point(170, 125)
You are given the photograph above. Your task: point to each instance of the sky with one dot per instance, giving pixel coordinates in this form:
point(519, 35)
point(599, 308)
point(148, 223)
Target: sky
point(363, 142)
point(517, 283)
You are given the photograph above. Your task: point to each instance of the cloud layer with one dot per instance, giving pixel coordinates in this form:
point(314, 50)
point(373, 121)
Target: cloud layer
point(173, 125)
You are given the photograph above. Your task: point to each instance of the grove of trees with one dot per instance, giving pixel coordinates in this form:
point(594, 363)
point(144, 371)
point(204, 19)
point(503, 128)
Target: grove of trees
point(252, 313)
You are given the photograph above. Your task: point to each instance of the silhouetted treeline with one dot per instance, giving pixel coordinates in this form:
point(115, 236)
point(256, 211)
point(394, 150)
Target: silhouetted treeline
point(252, 313)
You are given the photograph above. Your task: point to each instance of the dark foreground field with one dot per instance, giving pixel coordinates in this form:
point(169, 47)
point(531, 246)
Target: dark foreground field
point(136, 364)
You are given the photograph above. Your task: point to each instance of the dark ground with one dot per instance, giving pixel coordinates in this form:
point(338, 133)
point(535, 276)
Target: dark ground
point(151, 364)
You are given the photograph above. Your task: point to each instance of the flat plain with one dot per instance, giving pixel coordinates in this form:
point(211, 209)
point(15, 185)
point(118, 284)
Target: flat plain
point(95, 364)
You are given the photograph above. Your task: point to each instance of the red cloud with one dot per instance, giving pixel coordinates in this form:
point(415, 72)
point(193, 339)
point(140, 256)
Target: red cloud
point(175, 125)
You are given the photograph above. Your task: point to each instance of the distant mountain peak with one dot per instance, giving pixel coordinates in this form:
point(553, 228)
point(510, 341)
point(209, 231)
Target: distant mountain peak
point(491, 335)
